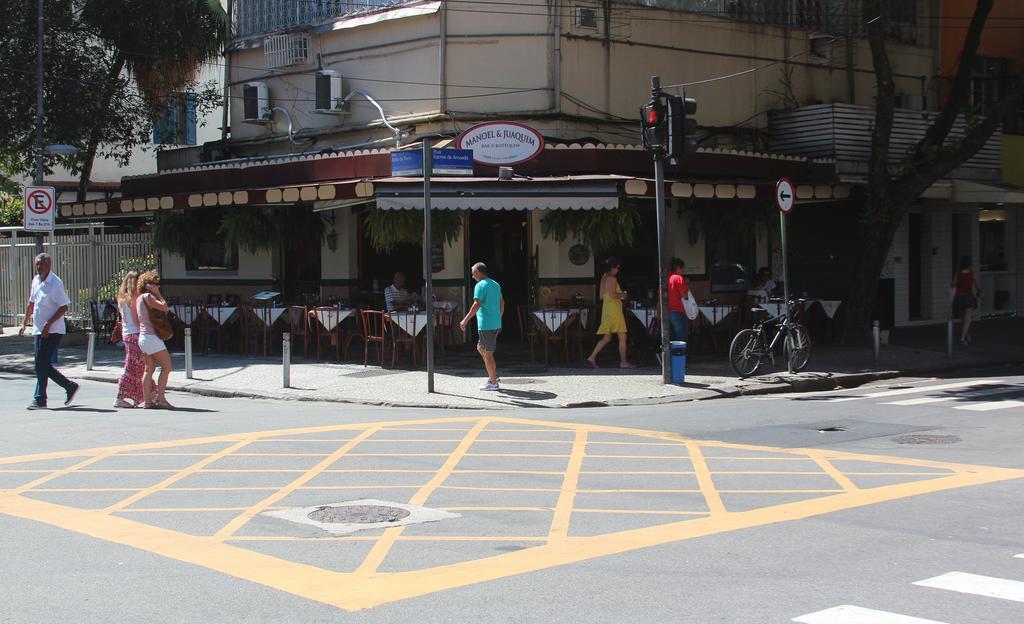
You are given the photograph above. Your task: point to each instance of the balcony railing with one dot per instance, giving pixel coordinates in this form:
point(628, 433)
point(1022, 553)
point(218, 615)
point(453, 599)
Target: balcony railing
point(843, 132)
point(836, 17)
point(254, 17)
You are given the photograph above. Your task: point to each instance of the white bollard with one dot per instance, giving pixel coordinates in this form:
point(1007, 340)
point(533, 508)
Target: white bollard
point(286, 358)
point(876, 335)
point(188, 353)
point(90, 352)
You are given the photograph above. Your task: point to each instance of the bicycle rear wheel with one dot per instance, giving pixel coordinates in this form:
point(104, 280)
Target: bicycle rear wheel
point(798, 347)
point(744, 353)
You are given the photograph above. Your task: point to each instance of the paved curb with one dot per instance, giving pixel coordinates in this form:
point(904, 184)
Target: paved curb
point(821, 383)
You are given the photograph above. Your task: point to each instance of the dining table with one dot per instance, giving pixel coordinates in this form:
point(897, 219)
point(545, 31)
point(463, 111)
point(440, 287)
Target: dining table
point(828, 306)
point(554, 318)
point(186, 313)
point(644, 315)
point(332, 317)
point(221, 314)
point(714, 313)
point(411, 323)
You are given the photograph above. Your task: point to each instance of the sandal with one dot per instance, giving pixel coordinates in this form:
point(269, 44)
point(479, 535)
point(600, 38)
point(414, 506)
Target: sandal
point(164, 405)
point(589, 364)
point(150, 405)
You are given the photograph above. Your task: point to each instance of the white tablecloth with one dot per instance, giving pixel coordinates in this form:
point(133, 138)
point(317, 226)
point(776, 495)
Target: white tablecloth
point(330, 318)
point(553, 318)
point(829, 306)
point(715, 313)
point(644, 315)
point(268, 316)
point(185, 313)
point(221, 314)
point(447, 306)
point(404, 320)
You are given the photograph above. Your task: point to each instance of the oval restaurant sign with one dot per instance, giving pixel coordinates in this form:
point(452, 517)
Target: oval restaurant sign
point(501, 143)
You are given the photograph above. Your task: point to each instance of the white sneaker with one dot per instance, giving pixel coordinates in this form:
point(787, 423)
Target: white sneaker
point(121, 403)
point(490, 386)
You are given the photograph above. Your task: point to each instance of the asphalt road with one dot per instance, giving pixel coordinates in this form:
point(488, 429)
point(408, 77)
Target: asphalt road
point(902, 498)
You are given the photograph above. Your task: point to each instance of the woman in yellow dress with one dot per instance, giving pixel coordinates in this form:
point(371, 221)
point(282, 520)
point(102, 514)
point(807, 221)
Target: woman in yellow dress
point(612, 320)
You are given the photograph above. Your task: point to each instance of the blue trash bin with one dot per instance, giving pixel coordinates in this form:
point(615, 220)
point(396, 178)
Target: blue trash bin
point(677, 352)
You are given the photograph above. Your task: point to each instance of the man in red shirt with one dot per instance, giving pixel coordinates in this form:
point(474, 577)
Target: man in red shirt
point(678, 290)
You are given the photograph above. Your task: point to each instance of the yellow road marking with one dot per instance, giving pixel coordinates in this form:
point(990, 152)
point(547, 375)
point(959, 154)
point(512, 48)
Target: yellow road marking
point(249, 514)
point(178, 476)
point(366, 589)
point(704, 480)
point(59, 473)
point(383, 546)
point(843, 481)
point(563, 508)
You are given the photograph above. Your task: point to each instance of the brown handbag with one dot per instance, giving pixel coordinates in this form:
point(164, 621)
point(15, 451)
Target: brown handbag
point(161, 324)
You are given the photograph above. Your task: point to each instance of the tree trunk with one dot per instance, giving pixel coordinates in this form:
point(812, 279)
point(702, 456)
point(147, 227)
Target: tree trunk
point(876, 238)
point(98, 121)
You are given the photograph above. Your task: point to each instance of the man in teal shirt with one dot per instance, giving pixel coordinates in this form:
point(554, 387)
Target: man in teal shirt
point(488, 306)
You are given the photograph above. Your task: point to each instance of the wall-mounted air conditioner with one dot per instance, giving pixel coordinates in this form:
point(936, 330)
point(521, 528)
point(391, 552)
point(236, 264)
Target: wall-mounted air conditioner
point(585, 17)
point(911, 102)
point(255, 102)
point(328, 92)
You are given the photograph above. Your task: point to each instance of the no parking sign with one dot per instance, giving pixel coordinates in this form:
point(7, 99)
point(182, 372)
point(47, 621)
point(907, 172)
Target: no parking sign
point(39, 208)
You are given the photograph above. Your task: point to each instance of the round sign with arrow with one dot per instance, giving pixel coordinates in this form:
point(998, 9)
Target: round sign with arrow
point(785, 195)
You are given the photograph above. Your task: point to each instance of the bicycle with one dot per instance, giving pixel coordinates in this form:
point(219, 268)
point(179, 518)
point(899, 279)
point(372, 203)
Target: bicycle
point(750, 347)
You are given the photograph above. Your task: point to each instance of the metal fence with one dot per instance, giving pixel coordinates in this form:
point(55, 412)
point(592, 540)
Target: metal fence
point(263, 16)
point(86, 257)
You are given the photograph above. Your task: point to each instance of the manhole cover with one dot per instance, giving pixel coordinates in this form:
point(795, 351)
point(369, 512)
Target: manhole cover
point(358, 514)
point(926, 439)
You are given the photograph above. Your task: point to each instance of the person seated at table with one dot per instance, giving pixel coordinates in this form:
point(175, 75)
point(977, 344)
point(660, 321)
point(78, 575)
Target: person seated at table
point(764, 283)
point(396, 297)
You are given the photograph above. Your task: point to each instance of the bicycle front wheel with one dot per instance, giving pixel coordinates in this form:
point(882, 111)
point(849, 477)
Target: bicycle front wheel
point(798, 347)
point(744, 353)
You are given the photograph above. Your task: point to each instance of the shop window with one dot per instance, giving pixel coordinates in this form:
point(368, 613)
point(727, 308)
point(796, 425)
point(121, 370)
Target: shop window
point(992, 230)
point(731, 260)
point(212, 254)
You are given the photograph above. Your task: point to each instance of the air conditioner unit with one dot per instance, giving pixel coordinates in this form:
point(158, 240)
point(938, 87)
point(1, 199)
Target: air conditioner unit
point(255, 102)
point(585, 17)
point(328, 92)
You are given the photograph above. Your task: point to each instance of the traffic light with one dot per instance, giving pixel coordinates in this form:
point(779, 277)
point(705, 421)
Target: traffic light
point(654, 123)
point(682, 128)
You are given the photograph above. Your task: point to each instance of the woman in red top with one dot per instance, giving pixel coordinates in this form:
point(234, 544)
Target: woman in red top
point(966, 298)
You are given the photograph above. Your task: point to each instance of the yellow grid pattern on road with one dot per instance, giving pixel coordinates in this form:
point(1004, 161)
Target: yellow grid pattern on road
point(676, 488)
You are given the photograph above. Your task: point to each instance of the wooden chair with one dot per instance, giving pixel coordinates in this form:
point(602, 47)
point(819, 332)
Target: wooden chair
point(400, 338)
point(297, 319)
point(527, 328)
point(102, 326)
point(443, 321)
point(337, 336)
point(558, 337)
point(375, 332)
point(180, 313)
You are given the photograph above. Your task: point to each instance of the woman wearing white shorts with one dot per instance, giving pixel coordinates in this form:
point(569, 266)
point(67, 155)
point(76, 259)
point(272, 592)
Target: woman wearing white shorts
point(153, 349)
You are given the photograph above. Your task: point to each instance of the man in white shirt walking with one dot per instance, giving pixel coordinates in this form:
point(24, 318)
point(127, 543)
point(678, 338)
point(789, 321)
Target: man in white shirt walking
point(47, 305)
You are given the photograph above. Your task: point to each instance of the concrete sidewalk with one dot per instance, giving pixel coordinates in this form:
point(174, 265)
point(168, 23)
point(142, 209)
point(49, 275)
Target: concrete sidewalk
point(917, 351)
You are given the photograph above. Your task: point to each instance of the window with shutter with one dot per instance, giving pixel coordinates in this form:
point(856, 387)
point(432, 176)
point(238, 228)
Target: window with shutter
point(178, 126)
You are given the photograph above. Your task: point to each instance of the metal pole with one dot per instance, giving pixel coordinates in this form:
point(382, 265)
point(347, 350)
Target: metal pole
point(286, 358)
point(877, 338)
point(785, 277)
point(428, 269)
point(40, 141)
point(93, 279)
point(90, 351)
point(659, 200)
point(949, 338)
point(188, 353)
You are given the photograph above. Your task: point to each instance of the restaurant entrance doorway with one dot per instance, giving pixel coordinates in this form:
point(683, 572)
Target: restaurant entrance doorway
point(499, 239)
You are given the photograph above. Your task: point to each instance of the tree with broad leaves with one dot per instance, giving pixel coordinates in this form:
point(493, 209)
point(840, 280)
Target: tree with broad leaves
point(109, 68)
point(894, 186)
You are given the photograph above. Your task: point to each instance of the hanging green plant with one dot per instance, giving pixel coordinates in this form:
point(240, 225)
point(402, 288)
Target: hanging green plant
point(250, 229)
point(177, 232)
point(741, 220)
point(299, 226)
point(387, 228)
point(597, 229)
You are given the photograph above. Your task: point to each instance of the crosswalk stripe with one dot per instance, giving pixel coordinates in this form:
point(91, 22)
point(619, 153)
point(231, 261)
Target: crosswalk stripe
point(902, 391)
point(849, 614)
point(969, 395)
point(978, 585)
point(1020, 556)
point(991, 405)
